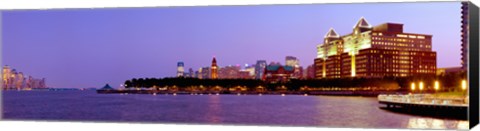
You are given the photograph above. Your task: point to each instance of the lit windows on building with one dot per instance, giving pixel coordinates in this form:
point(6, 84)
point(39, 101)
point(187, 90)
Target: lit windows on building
point(383, 50)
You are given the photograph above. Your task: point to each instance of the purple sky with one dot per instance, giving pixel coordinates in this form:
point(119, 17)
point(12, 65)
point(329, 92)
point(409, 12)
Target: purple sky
point(78, 48)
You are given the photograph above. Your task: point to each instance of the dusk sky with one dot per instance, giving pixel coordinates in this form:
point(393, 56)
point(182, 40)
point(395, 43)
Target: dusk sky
point(81, 48)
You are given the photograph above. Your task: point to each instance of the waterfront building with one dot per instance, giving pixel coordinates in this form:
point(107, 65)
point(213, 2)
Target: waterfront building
point(250, 69)
point(310, 72)
point(11, 79)
point(294, 62)
point(243, 74)
point(180, 69)
point(7, 75)
point(229, 72)
point(214, 69)
point(464, 35)
point(275, 73)
point(291, 61)
point(260, 68)
point(197, 74)
point(383, 50)
point(191, 73)
point(297, 72)
point(204, 73)
point(447, 70)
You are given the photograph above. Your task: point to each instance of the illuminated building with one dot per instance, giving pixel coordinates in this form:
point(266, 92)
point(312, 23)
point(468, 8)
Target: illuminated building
point(197, 74)
point(6, 73)
point(294, 62)
point(180, 69)
point(383, 50)
point(191, 73)
point(260, 68)
point(277, 73)
point(204, 73)
point(229, 72)
point(291, 61)
point(250, 69)
point(243, 74)
point(11, 79)
point(214, 69)
point(310, 72)
point(444, 71)
point(464, 35)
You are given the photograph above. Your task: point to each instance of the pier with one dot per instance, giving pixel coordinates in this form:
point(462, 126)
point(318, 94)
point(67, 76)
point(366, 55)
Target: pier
point(426, 105)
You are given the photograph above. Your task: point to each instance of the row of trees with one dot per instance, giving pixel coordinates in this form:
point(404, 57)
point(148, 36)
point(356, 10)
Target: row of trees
point(447, 82)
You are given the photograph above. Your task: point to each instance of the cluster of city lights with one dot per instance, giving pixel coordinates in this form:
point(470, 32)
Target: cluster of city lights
point(436, 85)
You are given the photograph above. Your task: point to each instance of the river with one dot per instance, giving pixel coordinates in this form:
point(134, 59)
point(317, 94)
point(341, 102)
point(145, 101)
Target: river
point(271, 110)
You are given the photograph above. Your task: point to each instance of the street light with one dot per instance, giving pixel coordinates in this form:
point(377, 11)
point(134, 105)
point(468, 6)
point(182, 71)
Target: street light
point(464, 84)
point(436, 85)
point(412, 86)
point(420, 85)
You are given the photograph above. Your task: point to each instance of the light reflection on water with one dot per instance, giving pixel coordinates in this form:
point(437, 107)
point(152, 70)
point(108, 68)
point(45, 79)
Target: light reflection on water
point(274, 110)
point(431, 123)
point(214, 109)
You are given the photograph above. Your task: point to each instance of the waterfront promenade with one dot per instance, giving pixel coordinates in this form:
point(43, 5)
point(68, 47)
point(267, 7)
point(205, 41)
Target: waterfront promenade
point(426, 105)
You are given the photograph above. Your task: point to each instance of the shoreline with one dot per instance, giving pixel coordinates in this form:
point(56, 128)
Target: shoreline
point(305, 93)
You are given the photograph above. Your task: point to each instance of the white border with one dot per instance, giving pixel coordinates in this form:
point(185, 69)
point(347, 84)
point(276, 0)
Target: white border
point(80, 126)
point(59, 4)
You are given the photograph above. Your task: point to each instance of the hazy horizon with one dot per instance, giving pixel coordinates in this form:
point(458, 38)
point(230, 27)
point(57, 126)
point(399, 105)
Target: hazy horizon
point(82, 48)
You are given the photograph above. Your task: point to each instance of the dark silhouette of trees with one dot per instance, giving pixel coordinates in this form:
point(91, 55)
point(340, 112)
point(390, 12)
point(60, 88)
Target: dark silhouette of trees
point(448, 82)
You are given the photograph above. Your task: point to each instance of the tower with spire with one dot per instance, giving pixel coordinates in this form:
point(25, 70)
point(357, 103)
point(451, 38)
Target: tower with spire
point(214, 69)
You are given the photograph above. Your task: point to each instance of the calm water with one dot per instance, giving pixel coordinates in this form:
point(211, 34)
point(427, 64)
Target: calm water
point(290, 110)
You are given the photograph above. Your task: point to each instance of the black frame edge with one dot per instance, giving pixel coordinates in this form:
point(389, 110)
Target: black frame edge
point(473, 64)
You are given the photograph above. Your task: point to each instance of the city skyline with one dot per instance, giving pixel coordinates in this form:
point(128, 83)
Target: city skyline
point(132, 43)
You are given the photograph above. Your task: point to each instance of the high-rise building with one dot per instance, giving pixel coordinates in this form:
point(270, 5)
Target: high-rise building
point(291, 61)
point(11, 79)
point(214, 69)
point(191, 73)
point(310, 73)
point(229, 72)
point(383, 50)
point(180, 69)
point(197, 74)
point(7, 74)
point(297, 72)
point(294, 62)
point(251, 70)
point(204, 73)
point(260, 68)
point(464, 35)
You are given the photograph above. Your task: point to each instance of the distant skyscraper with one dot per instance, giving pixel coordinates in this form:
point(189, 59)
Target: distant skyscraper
point(260, 68)
point(197, 74)
point(214, 69)
point(204, 73)
point(291, 61)
point(7, 73)
point(229, 72)
point(191, 73)
point(180, 69)
point(250, 69)
point(294, 62)
point(464, 35)
point(310, 73)
point(17, 80)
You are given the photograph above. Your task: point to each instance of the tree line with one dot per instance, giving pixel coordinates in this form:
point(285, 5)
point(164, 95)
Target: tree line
point(450, 81)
